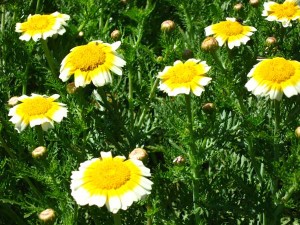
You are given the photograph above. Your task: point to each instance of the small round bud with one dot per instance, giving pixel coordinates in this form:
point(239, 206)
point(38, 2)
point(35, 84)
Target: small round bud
point(47, 216)
point(159, 59)
point(179, 161)
point(115, 35)
point(13, 100)
point(39, 152)
point(238, 7)
point(187, 54)
point(80, 34)
point(271, 41)
point(297, 132)
point(210, 44)
point(208, 107)
point(124, 1)
point(139, 154)
point(254, 3)
point(167, 26)
point(71, 88)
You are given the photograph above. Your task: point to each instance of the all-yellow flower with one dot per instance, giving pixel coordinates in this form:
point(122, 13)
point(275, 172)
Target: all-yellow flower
point(182, 78)
point(273, 77)
point(284, 13)
point(111, 181)
point(42, 26)
point(37, 110)
point(230, 31)
point(92, 62)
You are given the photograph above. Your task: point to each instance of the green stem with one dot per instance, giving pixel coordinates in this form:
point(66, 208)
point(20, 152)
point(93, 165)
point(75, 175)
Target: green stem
point(276, 128)
point(192, 154)
point(117, 219)
point(130, 96)
point(217, 59)
point(49, 58)
point(6, 148)
point(37, 8)
point(25, 78)
point(40, 135)
point(2, 18)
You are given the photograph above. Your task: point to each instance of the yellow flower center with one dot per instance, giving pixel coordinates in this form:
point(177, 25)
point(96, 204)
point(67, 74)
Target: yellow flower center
point(276, 70)
point(228, 28)
point(182, 73)
point(287, 9)
point(35, 106)
point(39, 22)
point(88, 57)
point(106, 175)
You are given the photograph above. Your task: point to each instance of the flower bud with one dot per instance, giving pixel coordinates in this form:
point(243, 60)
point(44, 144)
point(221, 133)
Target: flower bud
point(124, 1)
point(139, 154)
point(238, 7)
point(254, 3)
point(39, 152)
point(208, 107)
point(159, 59)
point(80, 34)
point(167, 26)
point(179, 160)
point(47, 216)
point(187, 54)
point(271, 41)
point(297, 132)
point(210, 44)
point(13, 100)
point(115, 35)
point(71, 88)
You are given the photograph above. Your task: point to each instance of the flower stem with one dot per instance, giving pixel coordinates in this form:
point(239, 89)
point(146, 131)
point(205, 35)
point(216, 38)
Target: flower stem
point(117, 218)
point(40, 135)
point(37, 8)
point(49, 58)
point(276, 127)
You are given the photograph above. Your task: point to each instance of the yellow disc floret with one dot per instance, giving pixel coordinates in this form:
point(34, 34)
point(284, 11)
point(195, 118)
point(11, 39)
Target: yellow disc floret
point(35, 106)
point(229, 28)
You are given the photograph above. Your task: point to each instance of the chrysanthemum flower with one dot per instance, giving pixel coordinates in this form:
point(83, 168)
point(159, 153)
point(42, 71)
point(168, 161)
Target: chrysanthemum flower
point(110, 181)
point(92, 62)
point(37, 110)
point(184, 77)
point(230, 31)
point(274, 77)
point(284, 13)
point(42, 26)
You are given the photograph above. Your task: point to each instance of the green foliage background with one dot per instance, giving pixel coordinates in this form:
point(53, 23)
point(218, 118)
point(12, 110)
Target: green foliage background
point(248, 160)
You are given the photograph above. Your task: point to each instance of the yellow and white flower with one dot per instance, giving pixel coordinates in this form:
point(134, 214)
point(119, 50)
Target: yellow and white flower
point(284, 13)
point(182, 78)
point(37, 110)
point(42, 26)
point(273, 77)
point(92, 62)
point(230, 31)
point(111, 181)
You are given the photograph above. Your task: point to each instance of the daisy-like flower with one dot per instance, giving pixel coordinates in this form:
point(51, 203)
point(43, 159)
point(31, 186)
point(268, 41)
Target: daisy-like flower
point(284, 13)
point(230, 31)
point(273, 77)
point(37, 110)
point(92, 62)
point(182, 78)
point(42, 26)
point(111, 181)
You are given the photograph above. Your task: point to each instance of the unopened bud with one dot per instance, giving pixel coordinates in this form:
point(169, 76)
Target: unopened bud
point(297, 132)
point(39, 152)
point(179, 160)
point(71, 88)
point(210, 44)
point(115, 35)
point(271, 41)
point(47, 216)
point(187, 54)
point(167, 26)
point(80, 34)
point(208, 107)
point(159, 59)
point(254, 3)
point(124, 1)
point(139, 154)
point(238, 7)
point(13, 101)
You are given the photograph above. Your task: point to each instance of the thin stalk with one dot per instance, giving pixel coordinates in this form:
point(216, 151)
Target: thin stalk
point(40, 135)
point(6, 148)
point(130, 96)
point(117, 218)
point(2, 18)
point(38, 5)
point(193, 161)
point(25, 78)
point(49, 58)
point(276, 127)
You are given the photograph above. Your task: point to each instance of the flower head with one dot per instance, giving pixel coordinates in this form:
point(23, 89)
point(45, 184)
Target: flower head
point(184, 77)
point(284, 13)
point(42, 26)
point(37, 110)
point(92, 62)
point(230, 31)
point(110, 181)
point(274, 77)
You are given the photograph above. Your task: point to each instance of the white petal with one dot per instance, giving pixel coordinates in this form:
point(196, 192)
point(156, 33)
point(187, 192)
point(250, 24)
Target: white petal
point(105, 155)
point(208, 30)
point(290, 91)
point(115, 45)
point(25, 37)
point(98, 200)
point(81, 196)
point(113, 204)
point(204, 81)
